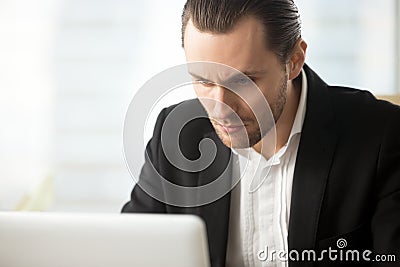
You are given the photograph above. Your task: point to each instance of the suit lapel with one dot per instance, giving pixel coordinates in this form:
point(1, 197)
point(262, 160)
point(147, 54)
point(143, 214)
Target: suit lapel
point(216, 214)
point(315, 153)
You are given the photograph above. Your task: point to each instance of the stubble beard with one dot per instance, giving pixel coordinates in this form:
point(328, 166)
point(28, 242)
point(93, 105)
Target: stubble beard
point(254, 134)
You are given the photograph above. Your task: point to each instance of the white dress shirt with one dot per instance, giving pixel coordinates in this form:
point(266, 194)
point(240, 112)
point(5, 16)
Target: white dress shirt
point(260, 203)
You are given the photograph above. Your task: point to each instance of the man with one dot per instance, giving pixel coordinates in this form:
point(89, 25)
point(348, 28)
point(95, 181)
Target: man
point(334, 173)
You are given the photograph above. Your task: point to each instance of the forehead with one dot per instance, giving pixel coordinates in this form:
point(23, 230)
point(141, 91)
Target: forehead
point(243, 48)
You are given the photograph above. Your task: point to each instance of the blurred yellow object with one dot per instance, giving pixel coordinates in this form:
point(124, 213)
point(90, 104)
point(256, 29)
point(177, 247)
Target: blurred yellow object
point(395, 99)
point(39, 199)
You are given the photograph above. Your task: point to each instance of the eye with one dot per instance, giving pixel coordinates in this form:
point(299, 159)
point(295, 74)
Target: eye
point(205, 83)
point(242, 81)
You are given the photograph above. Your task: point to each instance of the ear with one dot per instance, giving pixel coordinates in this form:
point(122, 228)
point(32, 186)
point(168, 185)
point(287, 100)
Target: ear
point(297, 59)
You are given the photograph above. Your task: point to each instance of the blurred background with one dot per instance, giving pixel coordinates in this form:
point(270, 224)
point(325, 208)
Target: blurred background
point(69, 69)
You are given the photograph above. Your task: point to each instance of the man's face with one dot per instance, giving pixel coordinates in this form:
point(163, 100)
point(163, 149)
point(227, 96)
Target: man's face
point(244, 49)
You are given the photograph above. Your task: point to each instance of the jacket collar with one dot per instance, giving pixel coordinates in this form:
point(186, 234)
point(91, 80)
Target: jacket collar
point(314, 157)
point(216, 214)
point(313, 163)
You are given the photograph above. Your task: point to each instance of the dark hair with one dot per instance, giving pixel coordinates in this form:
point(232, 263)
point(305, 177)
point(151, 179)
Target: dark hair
point(280, 18)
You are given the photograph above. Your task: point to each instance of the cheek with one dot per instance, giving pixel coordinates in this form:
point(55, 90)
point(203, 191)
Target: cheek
point(270, 88)
point(259, 103)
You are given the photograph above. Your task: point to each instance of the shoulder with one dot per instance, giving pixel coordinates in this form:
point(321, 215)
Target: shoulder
point(348, 103)
point(355, 107)
point(357, 98)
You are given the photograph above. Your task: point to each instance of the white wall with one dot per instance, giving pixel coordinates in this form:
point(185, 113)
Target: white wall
point(105, 50)
point(69, 68)
point(353, 42)
point(26, 97)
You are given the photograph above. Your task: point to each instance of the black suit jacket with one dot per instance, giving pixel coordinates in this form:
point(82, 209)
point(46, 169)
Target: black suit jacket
point(346, 181)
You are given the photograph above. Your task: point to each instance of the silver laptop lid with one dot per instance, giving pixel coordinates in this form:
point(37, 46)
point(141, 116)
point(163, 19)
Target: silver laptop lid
point(102, 240)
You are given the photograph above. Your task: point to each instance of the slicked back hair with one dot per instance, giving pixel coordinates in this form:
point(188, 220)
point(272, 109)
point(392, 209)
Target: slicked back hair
point(280, 18)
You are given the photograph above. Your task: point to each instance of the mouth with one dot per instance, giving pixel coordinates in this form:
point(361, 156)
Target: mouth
point(231, 128)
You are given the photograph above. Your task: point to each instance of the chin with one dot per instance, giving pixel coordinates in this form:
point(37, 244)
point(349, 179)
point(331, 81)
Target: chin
point(239, 140)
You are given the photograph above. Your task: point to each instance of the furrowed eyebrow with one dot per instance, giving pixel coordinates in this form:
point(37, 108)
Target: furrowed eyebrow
point(253, 73)
point(198, 77)
point(246, 73)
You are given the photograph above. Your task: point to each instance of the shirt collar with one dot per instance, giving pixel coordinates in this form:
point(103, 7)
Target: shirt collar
point(301, 109)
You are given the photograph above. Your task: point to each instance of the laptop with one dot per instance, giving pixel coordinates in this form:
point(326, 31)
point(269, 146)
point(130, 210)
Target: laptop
point(35, 239)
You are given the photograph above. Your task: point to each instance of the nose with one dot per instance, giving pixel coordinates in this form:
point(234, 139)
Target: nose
point(223, 103)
